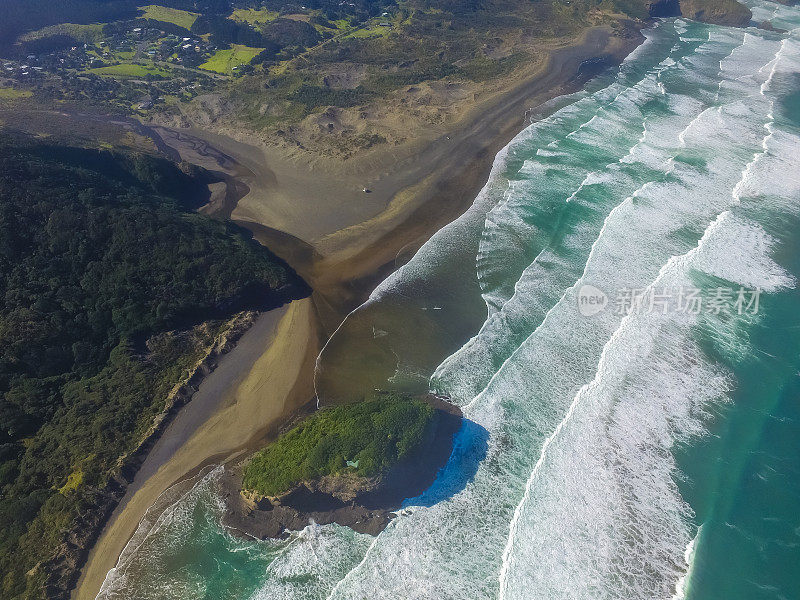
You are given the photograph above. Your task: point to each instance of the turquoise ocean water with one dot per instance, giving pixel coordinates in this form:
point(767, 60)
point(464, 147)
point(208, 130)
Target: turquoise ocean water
point(641, 452)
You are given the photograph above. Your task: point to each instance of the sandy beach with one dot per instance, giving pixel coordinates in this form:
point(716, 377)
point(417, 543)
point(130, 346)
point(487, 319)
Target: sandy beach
point(314, 213)
point(255, 384)
point(343, 242)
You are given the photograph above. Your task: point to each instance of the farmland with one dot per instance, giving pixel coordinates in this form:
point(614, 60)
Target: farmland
point(225, 61)
point(130, 70)
point(253, 16)
point(181, 18)
point(7, 93)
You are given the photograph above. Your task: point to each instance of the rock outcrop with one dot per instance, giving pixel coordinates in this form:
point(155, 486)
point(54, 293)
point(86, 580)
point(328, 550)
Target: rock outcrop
point(364, 504)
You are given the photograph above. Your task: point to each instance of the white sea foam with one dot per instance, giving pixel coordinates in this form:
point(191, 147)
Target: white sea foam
point(170, 517)
point(519, 402)
point(314, 560)
point(682, 585)
point(614, 512)
point(610, 454)
point(606, 482)
point(539, 286)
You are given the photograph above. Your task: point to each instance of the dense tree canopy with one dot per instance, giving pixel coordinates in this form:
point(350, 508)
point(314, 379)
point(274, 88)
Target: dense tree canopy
point(94, 260)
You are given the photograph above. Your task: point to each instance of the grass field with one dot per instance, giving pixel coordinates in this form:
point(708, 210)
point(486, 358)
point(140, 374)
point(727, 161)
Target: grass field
point(342, 24)
point(253, 16)
point(372, 31)
point(224, 61)
point(129, 71)
point(182, 18)
point(7, 93)
point(89, 34)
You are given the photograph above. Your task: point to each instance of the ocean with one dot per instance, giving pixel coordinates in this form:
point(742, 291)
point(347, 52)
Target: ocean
point(633, 396)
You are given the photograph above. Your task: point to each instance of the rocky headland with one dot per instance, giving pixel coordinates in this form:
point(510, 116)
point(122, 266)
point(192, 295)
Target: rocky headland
point(365, 504)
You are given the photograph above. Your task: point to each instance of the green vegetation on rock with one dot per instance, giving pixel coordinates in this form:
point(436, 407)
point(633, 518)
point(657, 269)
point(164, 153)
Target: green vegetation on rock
point(374, 434)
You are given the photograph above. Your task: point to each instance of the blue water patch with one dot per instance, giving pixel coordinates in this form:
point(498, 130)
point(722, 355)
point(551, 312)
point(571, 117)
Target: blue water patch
point(470, 445)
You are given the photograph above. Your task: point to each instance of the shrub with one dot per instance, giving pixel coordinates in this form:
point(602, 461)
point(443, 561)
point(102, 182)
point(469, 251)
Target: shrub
point(374, 434)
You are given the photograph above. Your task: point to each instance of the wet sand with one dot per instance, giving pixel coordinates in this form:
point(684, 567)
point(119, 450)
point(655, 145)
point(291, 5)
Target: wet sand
point(236, 408)
point(314, 214)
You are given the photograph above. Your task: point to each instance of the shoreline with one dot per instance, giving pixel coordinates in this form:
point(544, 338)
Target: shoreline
point(61, 570)
point(230, 399)
point(354, 240)
point(342, 265)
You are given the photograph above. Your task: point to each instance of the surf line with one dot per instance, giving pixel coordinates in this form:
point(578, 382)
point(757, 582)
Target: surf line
point(677, 260)
point(132, 547)
point(670, 163)
point(681, 259)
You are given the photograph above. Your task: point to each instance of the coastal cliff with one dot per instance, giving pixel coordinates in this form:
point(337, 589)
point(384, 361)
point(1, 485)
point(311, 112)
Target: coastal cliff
point(63, 569)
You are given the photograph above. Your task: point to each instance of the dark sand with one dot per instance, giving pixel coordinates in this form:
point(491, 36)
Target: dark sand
point(239, 406)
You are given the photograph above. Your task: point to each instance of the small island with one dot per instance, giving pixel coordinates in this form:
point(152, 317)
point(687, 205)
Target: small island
point(352, 464)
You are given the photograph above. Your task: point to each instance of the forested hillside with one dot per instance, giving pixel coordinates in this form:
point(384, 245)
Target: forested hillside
point(96, 263)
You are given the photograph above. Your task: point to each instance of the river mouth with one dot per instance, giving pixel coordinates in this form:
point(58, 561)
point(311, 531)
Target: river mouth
point(424, 311)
